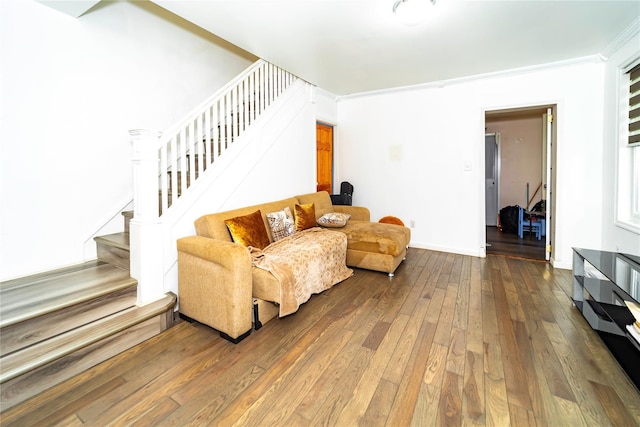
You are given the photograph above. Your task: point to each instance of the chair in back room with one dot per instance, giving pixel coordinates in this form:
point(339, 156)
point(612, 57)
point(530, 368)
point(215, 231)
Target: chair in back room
point(530, 224)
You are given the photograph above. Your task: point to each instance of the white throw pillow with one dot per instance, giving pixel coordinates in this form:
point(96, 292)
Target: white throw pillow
point(281, 223)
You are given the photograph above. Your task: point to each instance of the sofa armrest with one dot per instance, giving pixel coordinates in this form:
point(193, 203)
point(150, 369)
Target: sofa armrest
point(215, 284)
point(359, 213)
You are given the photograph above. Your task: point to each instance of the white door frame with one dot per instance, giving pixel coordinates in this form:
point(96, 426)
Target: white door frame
point(549, 145)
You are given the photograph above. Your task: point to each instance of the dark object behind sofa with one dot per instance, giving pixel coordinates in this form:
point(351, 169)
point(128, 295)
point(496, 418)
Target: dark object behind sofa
point(345, 196)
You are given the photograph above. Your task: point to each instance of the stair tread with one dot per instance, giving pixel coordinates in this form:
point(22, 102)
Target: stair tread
point(47, 275)
point(22, 361)
point(118, 240)
point(37, 329)
point(50, 292)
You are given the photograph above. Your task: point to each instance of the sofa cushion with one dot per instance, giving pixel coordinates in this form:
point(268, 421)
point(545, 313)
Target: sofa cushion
point(333, 219)
point(249, 230)
point(265, 285)
point(375, 237)
point(305, 216)
point(281, 223)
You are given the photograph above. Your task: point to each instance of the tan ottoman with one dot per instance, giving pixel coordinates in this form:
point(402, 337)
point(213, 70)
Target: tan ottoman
point(376, 246)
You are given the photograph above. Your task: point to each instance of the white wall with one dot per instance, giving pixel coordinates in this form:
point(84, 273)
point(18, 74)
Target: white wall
point(405, 152)
point(616, 236)
point(71, 91)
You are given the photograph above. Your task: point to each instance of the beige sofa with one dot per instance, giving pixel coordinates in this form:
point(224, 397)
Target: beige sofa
point(219, 286)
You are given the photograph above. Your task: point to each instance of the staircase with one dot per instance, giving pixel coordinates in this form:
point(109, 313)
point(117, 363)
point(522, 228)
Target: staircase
point(57, 324)
point(184, 169)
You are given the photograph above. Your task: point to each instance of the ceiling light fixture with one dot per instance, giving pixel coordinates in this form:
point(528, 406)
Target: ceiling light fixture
point(412, 12)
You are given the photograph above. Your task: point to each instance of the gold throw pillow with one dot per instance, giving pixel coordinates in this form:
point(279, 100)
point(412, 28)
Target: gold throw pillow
point(305, 216)
point(249, 230)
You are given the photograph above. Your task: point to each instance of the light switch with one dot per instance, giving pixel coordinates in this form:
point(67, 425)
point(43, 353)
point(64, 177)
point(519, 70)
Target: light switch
point(467, 165)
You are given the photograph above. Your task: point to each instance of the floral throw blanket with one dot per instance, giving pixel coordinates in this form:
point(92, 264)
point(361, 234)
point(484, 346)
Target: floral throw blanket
point(305, 263)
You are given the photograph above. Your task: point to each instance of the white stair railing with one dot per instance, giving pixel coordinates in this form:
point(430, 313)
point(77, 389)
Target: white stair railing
point(166, 164)
point(188, 148)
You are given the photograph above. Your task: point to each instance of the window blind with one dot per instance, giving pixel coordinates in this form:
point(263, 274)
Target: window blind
point(634, 105)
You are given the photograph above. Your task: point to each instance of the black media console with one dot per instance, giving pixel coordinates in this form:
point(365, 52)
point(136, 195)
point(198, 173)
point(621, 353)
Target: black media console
point(602, 282)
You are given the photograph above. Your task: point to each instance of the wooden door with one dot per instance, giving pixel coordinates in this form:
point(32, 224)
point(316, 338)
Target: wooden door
point(324, 157)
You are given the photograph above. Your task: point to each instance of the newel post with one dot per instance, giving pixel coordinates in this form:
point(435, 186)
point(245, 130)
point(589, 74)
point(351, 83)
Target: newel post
point(145, 231)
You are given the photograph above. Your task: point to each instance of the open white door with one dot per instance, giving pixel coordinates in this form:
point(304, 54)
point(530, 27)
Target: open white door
point(492, 177)
point(546, 177)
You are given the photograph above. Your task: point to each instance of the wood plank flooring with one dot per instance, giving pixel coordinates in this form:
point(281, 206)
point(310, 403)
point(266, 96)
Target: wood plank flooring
point(503, 243)
point(450, 340)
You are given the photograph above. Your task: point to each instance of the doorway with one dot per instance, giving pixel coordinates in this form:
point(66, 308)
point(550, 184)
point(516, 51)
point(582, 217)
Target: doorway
point(324, 157)
point(519, 162)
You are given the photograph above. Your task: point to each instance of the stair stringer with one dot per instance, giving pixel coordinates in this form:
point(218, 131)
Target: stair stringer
point(285, 132)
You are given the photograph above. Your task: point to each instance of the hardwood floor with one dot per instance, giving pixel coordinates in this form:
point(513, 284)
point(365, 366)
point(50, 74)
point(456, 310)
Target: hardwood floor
point(450, 340)
point(503, 243)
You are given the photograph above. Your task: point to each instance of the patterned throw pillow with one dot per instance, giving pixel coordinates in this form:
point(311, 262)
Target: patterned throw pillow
point(305, 216)
point(334, 219)
point(281, 224)
point(249, 230)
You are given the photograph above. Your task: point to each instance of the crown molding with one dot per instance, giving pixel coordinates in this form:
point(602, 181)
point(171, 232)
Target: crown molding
point(623, 38)
point(506, 73)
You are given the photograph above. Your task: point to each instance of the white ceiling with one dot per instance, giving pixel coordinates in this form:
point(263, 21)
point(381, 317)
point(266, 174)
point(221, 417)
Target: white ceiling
point(353, 46)
point(74, 8)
